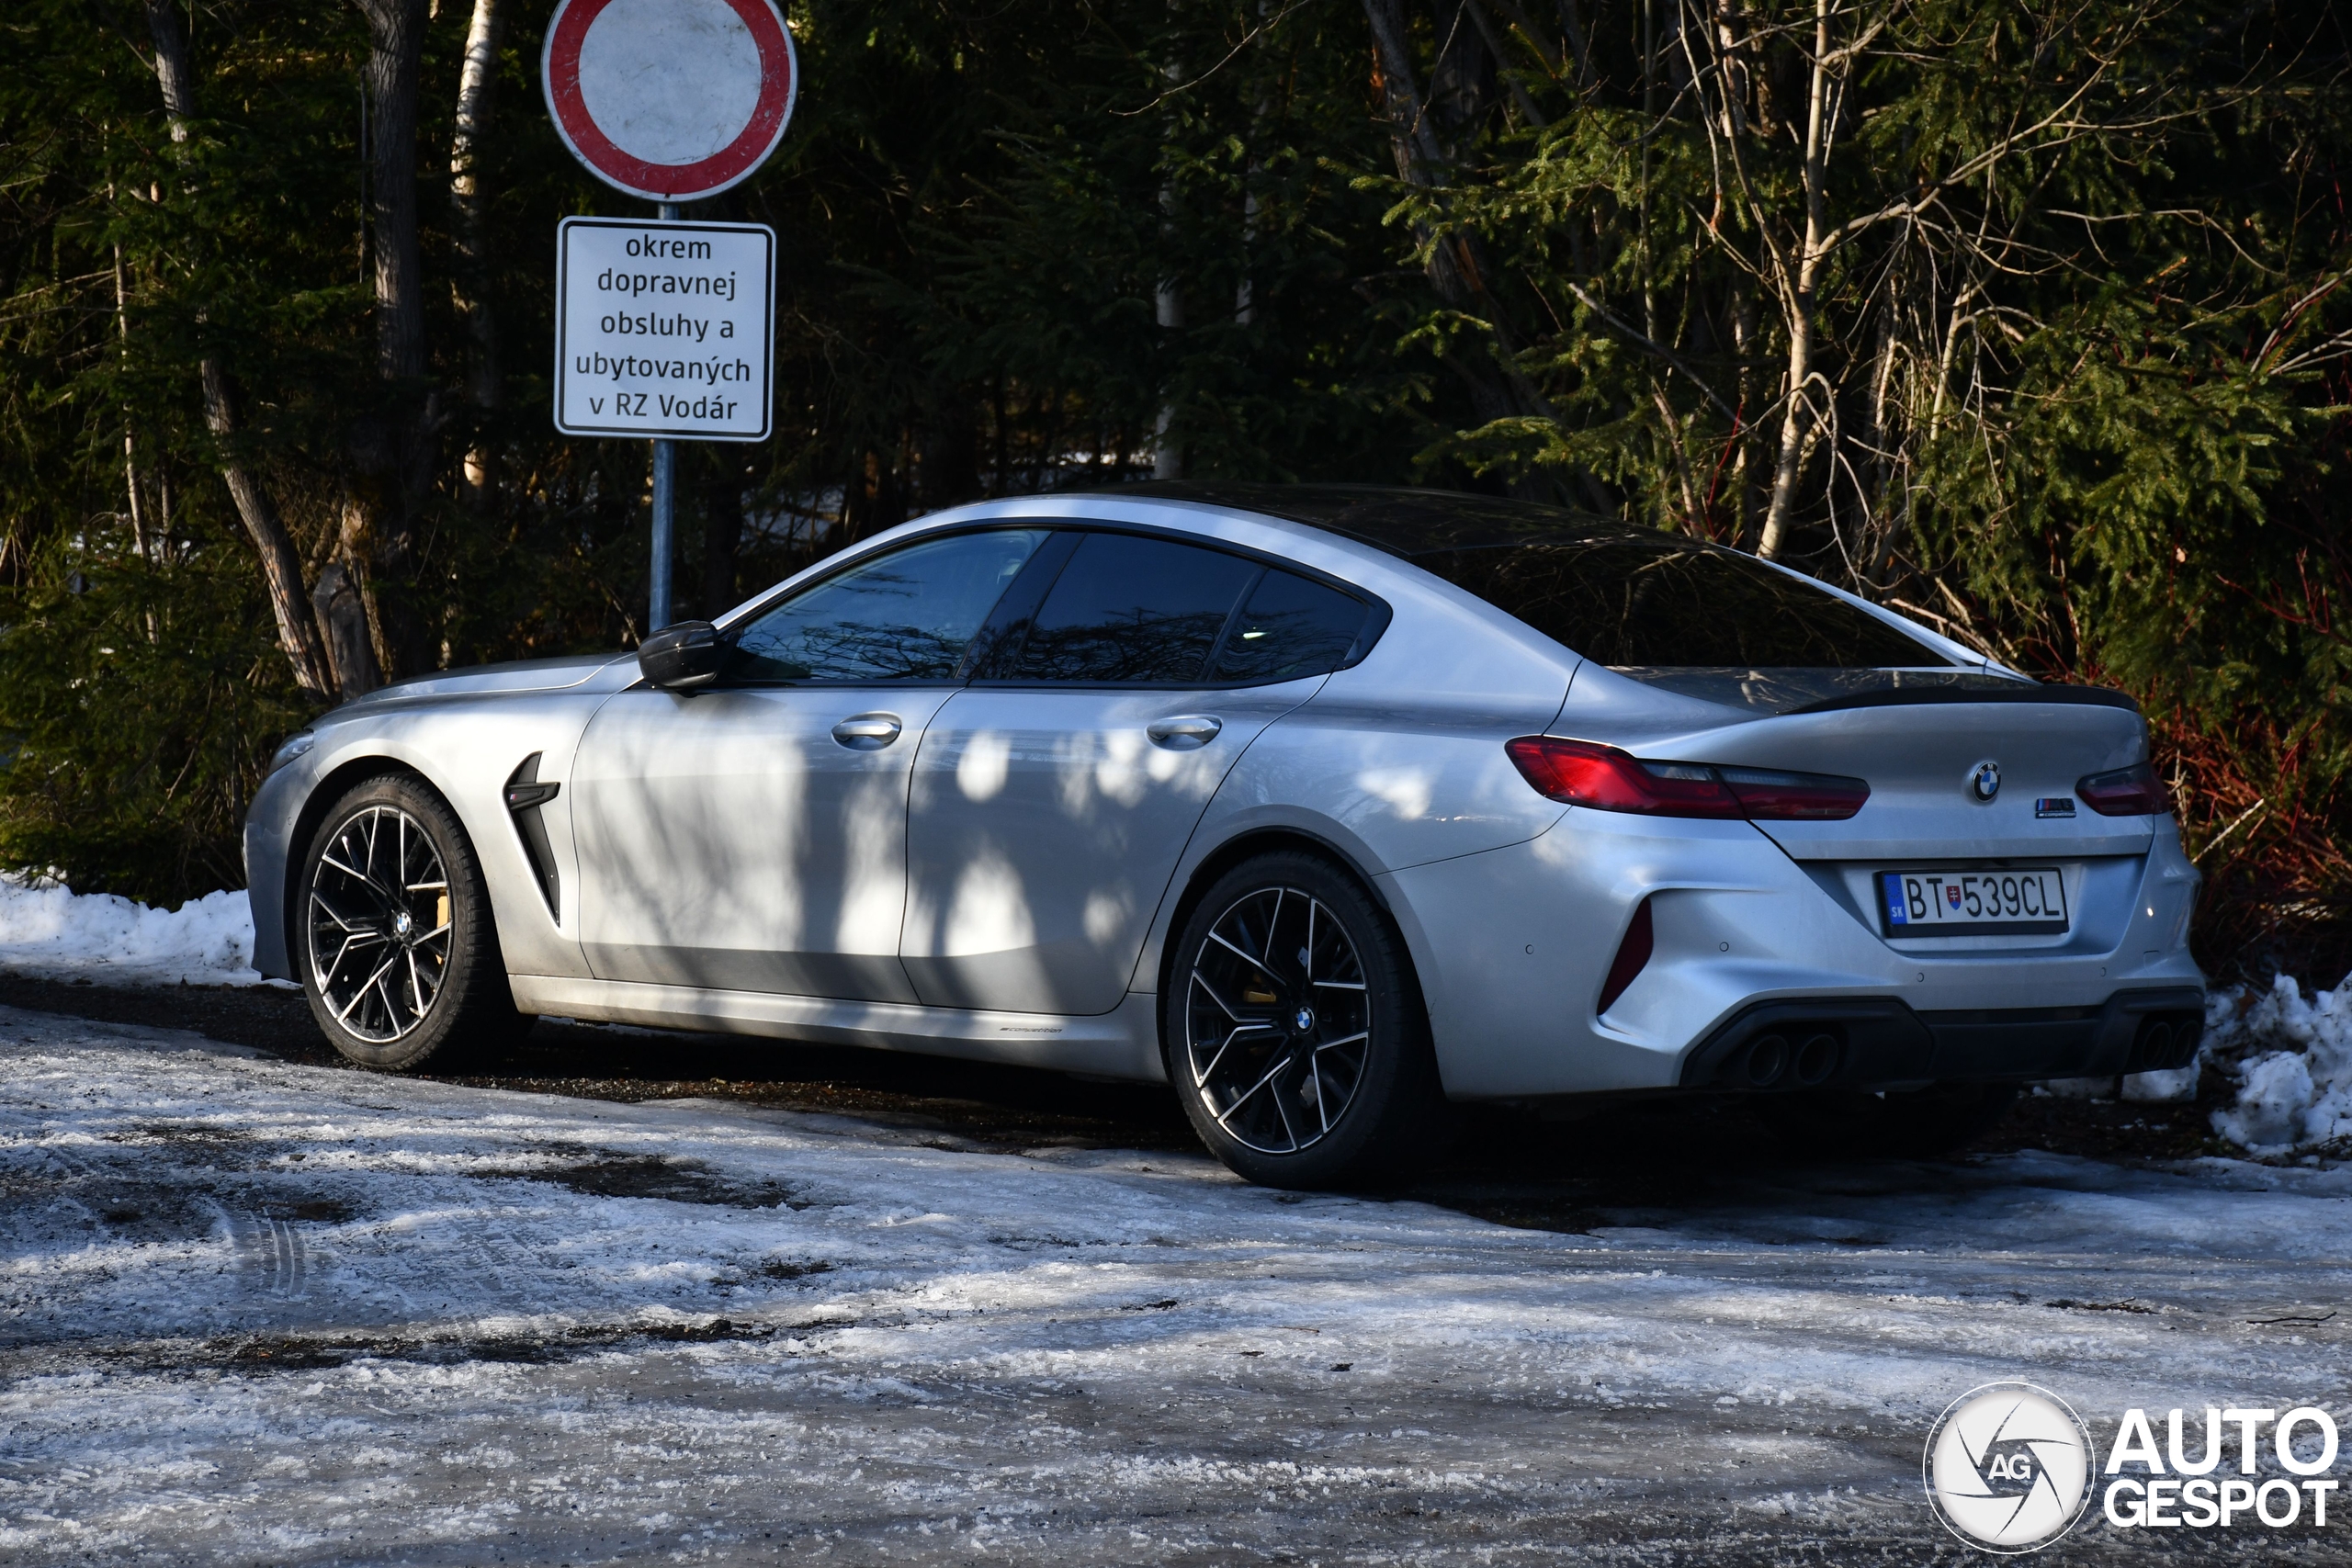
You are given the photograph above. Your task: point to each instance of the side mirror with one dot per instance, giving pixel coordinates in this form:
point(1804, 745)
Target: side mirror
point(681, 658)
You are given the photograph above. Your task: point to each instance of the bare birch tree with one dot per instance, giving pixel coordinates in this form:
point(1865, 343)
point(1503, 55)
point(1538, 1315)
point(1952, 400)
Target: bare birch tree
point(1935, 235)
point(469, 282)
point(298, 630)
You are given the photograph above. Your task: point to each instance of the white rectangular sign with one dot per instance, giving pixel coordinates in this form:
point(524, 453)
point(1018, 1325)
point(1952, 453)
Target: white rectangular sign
point(663, 329)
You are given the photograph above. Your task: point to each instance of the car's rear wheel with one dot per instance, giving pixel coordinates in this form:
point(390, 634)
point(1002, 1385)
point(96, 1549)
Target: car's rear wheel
point(1295, 1033)
point(400, 951)
point(1845, 1123)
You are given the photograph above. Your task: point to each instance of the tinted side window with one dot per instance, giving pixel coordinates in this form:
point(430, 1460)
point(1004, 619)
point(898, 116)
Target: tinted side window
point(1674, 603)
point(906, 616)
point(1290, 627)
point(1133, 610)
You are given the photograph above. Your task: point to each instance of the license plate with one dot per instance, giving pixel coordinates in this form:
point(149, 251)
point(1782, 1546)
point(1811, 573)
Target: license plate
point(2031, 902)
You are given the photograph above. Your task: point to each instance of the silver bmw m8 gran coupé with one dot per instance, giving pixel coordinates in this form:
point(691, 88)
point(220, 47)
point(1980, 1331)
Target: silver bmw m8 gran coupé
point(1327, 805)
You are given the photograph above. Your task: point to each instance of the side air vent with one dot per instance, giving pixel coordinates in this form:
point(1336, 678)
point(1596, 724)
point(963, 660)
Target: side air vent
point(525, 795)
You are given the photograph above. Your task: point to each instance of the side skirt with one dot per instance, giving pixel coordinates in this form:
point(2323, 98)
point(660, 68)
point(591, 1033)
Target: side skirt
point(1121, 1044)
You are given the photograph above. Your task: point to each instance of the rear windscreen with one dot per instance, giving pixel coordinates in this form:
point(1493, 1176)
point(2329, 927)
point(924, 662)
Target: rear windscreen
point(1675, 604)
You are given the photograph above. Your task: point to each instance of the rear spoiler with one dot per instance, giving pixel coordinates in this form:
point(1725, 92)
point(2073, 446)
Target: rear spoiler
point(1914, 697)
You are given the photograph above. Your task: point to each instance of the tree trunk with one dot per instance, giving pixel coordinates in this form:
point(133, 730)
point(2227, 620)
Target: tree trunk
point(1167, 311)
point(1745, 325)
point(1794, 419)
point(129, 443)
point(1424, 135)
point(281, 564)
point(395, 443)
point(173, 72)
point(342, 611)
point(875, 499)
point(346, 606)
point(1167, 452)
point(722, 529)
point(1454, 266)
point(1797, 301)
point(476, 92)
point(948, 446)
point(1253, 173)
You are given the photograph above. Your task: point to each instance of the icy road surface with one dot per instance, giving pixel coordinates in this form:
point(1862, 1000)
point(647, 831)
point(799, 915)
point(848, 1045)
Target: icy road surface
point(253, 1312)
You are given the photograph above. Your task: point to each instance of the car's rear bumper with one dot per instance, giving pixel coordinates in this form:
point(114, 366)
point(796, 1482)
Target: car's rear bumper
point(1512, 947)
point(1875, 1041)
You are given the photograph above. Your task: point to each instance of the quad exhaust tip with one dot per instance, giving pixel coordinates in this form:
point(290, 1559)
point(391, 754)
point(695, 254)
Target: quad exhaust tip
point(1771, 1062)
point(2163, 1041)
point(1788, 1054)
point(1816, 1059)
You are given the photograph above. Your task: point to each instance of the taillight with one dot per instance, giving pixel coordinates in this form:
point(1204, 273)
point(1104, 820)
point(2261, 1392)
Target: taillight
point(1609, 780)
point(1785, 797)
point(1580, 772)
point(2126, 791)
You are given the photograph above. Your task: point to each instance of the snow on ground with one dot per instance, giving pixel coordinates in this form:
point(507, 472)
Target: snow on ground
point(254, 1311)
point(48, 930)
point(2294, 1066)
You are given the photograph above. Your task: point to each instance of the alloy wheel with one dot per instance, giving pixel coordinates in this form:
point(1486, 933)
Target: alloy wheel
point(378, 912)
point(1278, 1021)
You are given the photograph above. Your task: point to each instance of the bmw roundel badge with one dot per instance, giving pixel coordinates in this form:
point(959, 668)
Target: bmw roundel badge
point(1985, 780)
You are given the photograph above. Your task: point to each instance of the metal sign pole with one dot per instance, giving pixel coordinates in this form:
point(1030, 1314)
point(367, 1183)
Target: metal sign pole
point(666, 476)
point(665, 489)
point(670, 103)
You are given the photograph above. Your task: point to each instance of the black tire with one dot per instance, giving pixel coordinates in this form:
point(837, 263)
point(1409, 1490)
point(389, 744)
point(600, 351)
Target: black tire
point(1258, 1043)
point(1847, 1123)
point(414, 971)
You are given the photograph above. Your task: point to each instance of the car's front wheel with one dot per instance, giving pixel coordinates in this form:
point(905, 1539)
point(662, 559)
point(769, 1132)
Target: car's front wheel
point(400, 951)
point(1296, 1035)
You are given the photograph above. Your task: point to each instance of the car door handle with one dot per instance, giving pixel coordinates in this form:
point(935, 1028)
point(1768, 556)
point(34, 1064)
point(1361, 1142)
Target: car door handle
point(1184, 734)
point(868, 732)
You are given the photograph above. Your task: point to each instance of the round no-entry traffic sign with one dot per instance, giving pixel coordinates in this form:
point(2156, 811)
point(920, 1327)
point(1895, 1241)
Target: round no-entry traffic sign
point(669, 99)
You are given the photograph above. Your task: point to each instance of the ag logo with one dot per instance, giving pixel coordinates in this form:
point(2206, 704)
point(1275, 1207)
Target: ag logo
point(1985, 780)
point(2008, 1467)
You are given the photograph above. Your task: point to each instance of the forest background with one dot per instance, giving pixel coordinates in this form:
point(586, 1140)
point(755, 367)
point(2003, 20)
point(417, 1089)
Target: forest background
point(2026, 319)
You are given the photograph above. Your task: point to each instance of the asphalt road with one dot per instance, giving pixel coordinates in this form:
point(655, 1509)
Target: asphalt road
point(685, 1300)
point(1516, 1167)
